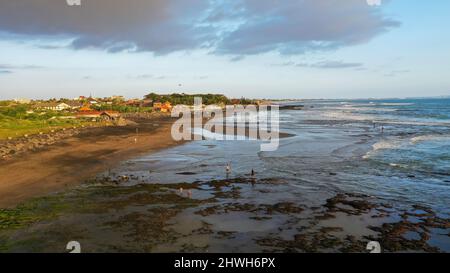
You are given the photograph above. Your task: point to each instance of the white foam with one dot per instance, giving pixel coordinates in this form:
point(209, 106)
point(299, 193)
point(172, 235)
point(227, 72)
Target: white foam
point(385, 144)
point(344, 115)
point(419, 139)
point(396, 104)
point(398, 165)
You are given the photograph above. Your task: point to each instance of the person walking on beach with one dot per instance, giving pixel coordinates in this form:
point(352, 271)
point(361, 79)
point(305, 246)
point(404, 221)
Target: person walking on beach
point(228, 168)
point(253, 179)
point(382, 129)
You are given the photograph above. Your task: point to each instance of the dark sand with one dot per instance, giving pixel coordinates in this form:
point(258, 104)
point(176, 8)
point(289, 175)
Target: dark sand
point(73, 160)
point(110, 214)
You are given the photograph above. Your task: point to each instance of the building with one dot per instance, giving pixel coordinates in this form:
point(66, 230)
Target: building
point(102, 115)
point(133, 102)
point(147, 103)
point(74, 104)
point(85, 108)
point(80, 98)
point(110, 115)
point(22, 101)
point(54, 106)
point(92, 100)
point(162, 107)
point(117, 98)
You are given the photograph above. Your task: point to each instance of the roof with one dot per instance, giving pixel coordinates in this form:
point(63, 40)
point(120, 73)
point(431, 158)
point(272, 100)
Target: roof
point(85, 108)
point(90, 113)
point(94, 113)
point(112, 113)
point(48, 104)
point(74, 104)
point(51, 104)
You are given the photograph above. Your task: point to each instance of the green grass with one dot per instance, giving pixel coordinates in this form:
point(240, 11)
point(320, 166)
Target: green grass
point(14, 127)
point(18, 120)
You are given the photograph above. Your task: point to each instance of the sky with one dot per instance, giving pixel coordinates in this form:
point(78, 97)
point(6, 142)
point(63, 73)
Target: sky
point(241, 48)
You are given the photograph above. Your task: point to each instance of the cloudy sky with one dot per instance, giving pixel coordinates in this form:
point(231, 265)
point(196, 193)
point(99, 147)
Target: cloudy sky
point(252, 48)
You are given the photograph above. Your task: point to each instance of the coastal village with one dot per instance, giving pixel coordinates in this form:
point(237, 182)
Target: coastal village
point(108, 109)
point(27, 125)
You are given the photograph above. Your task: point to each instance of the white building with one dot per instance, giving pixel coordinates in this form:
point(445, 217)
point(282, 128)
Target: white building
point(22, 100)
point(55, 106)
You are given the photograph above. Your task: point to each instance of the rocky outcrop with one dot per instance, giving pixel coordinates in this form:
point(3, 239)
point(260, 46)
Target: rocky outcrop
point(16, 146)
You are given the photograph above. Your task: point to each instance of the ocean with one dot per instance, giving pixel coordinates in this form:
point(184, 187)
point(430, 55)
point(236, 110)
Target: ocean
point(409, 162)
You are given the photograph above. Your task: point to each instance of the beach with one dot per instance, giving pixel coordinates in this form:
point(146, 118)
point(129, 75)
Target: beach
point(334, 185)
point(73, 160)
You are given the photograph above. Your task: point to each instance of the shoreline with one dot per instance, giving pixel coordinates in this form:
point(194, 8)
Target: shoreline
point(70, 157)
point(73, 160)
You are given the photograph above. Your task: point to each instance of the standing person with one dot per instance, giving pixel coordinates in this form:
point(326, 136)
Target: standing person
point(228, 168)
point(253, 179)
point(382, 129)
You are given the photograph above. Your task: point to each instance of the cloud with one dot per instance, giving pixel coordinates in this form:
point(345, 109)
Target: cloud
point(236, 28)
point(298, 26)
point(144, 76)
point(331, 65)
point(284, 64)
point(203, 77)
point(159, 26)
point(10, 66)
point(237, 58)
point(325, 65)
point(44, 46)
point(395, 73)
point(149, 76)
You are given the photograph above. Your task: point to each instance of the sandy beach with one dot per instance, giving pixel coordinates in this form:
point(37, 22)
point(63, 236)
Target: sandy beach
point(71, 161)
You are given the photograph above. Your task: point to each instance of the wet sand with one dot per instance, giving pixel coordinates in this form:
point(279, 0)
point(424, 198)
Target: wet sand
point(73, 160)
point(117, 214)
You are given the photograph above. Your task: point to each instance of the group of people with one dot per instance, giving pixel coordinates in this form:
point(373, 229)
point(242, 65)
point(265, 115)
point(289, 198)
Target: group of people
point(188, 193)
point(381, 128)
